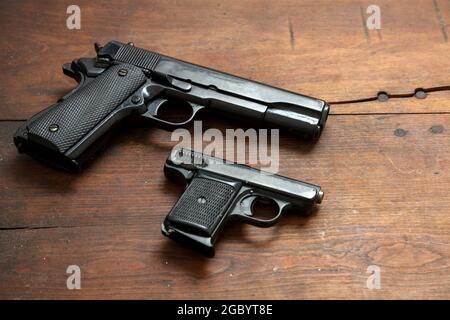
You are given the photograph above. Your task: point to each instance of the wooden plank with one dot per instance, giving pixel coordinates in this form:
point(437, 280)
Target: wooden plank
point(386, 203)
point(320, 48)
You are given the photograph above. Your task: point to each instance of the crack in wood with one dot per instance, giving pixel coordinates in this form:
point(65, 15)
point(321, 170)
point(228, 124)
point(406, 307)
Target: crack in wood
point(363, 20)
point(393, 96)
point(48, 227)
point(291, 33)
point(32, 228)
point(441, 20)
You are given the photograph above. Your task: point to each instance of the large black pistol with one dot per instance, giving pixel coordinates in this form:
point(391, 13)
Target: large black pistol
point(123, 80)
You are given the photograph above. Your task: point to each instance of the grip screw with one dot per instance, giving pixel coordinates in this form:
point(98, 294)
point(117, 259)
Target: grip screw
point(136, 99)
point(201, 200)
point(122, 72)
point(53, 128)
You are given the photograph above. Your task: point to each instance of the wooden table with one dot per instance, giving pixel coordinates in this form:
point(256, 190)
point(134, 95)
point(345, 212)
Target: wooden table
point(384, 165)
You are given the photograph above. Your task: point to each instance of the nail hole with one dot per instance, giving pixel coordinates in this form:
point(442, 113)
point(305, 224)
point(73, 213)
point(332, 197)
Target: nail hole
point(382, 96)
point(437, 129)
point(420, 93)
point(400, 132)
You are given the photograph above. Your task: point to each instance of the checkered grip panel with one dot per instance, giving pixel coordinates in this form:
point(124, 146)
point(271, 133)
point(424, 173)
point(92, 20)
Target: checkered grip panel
point(79, 113)
point(201, 206)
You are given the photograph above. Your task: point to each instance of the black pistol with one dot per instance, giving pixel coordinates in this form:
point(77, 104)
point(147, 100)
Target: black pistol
point(218, 191)
point(123, 80)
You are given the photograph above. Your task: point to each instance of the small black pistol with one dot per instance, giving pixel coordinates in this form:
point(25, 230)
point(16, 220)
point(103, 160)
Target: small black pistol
point(219, 190)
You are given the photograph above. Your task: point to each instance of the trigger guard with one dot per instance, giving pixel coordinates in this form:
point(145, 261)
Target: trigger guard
point(243, 210)
point(152, 115)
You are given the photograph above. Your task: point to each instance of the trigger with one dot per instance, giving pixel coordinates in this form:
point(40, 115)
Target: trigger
point(245, 205)
point(154, 106)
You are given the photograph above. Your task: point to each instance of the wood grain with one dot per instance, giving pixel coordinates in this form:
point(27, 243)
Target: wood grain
point(383, 165)
point(385, 204)
point(319, 48)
